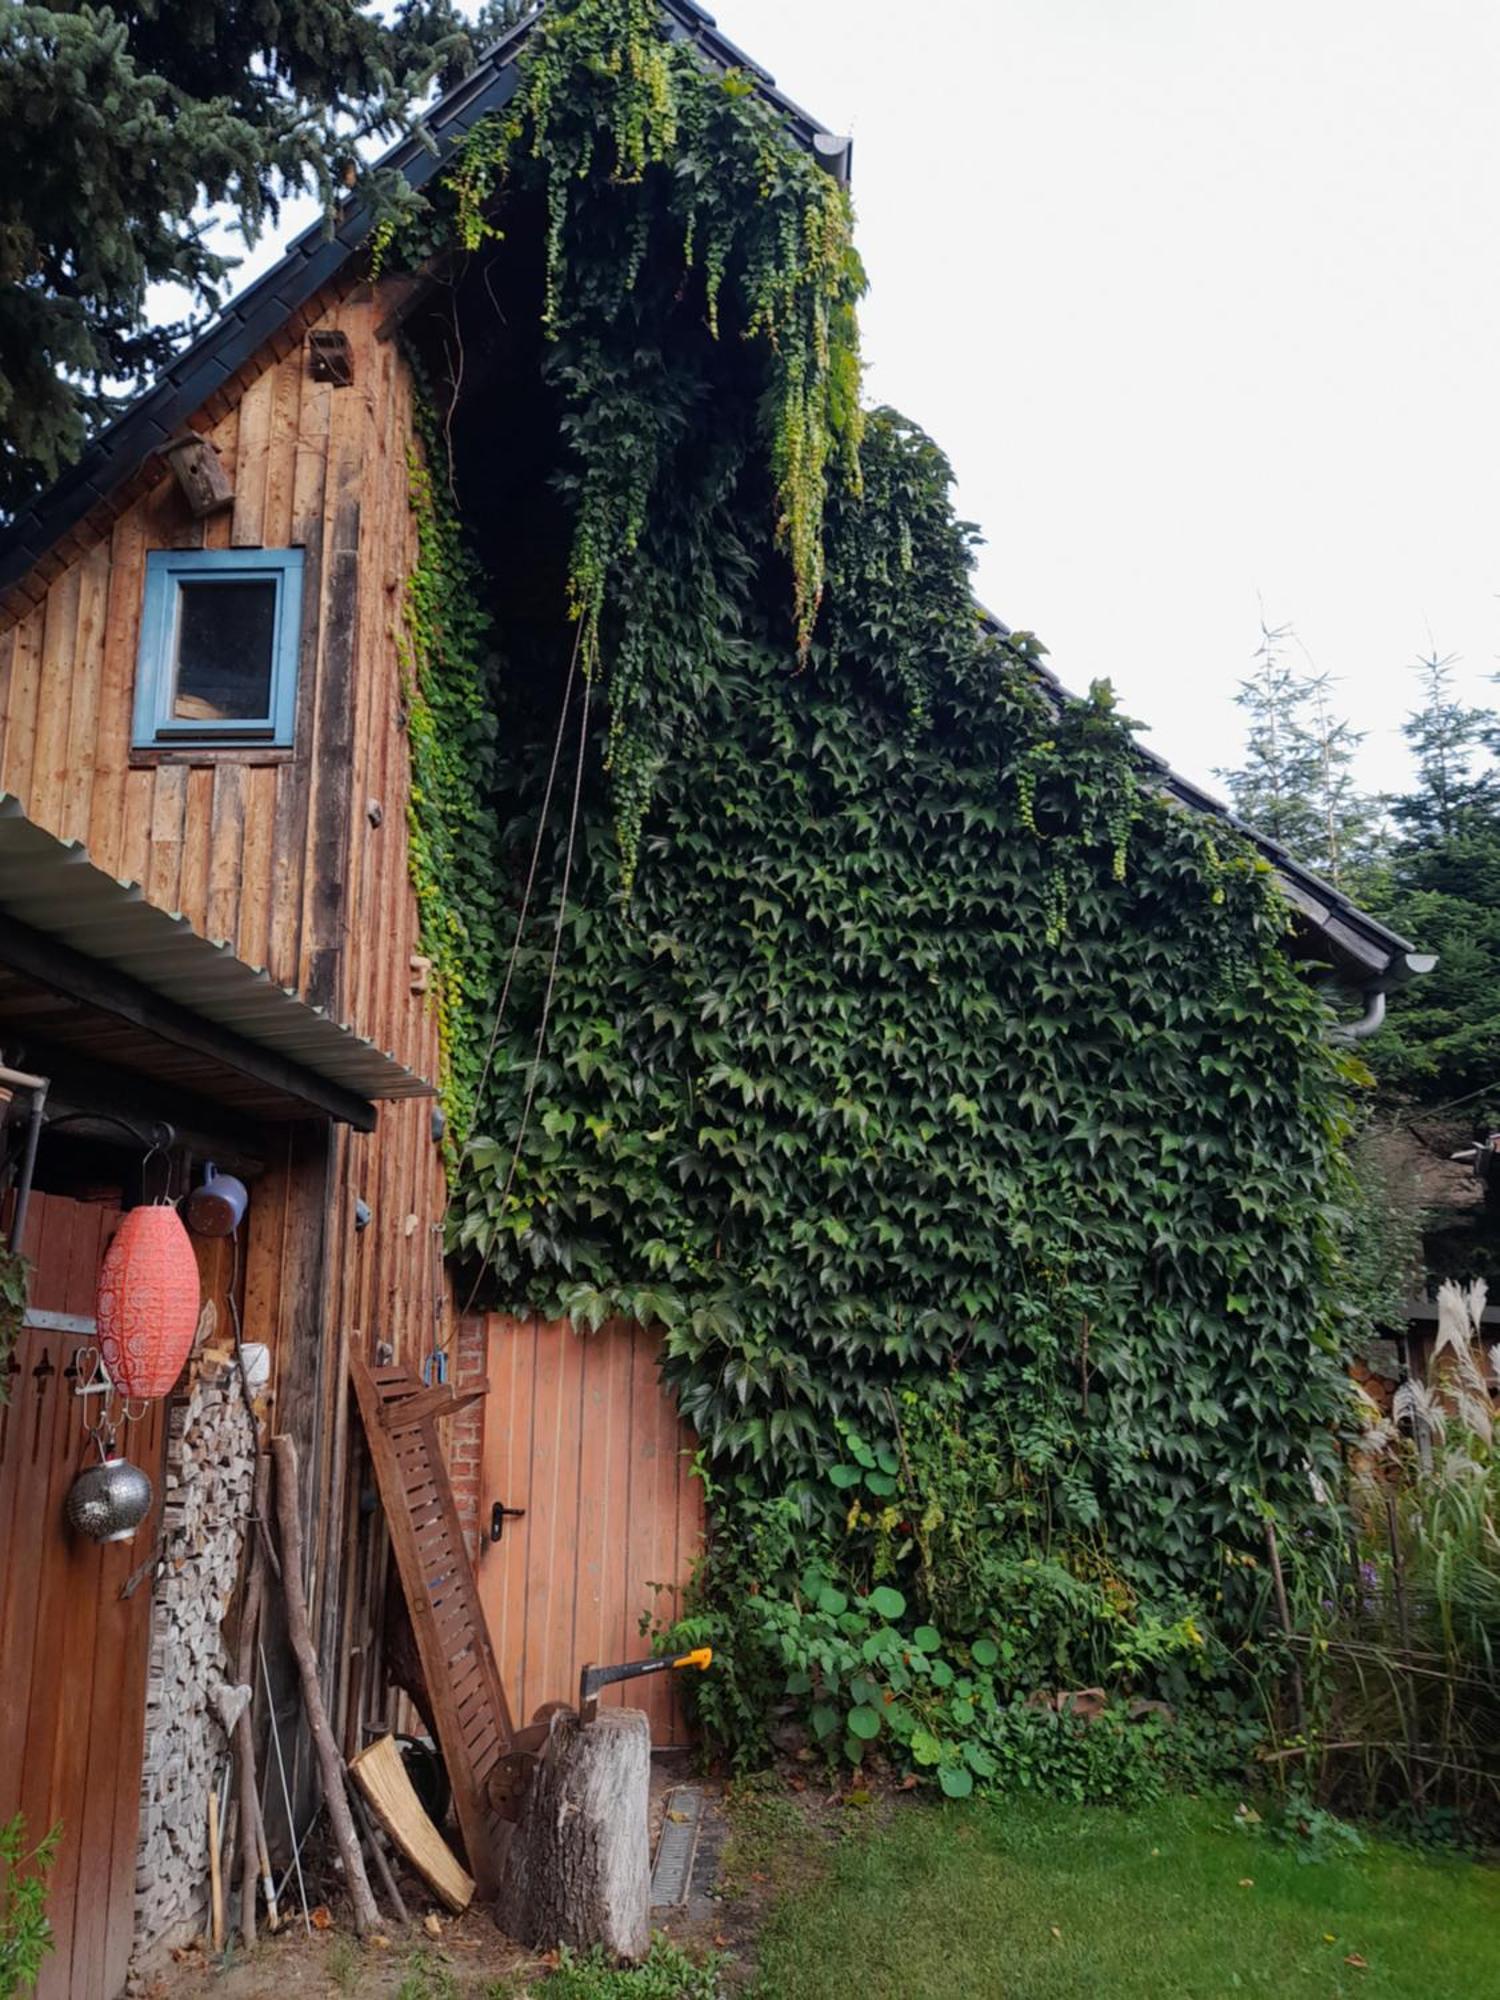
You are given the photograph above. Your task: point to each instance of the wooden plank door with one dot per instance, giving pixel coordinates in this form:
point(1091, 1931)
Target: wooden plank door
point(580, 1432)
point(73, 1650)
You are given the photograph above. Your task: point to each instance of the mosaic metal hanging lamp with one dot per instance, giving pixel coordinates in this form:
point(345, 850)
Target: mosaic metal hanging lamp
point(108, 1501)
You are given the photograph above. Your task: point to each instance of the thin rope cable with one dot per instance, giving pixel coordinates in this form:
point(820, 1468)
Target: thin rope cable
point(536, 850)
point(557, 937)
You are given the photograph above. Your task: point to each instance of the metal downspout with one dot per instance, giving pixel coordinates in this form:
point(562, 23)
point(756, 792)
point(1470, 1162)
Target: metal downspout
point(38, 1086)
point(1369, 1022)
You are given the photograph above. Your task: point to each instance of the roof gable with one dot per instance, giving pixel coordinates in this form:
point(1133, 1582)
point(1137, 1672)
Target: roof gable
point(286, 298)
point(316, 260)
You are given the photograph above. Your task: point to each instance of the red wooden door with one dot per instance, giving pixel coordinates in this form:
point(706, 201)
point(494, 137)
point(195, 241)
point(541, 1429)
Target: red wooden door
point(72, 1649)
point(579, 1431)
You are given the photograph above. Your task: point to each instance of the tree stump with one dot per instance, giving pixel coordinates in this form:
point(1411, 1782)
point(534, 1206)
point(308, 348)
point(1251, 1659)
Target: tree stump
point(578, 1871)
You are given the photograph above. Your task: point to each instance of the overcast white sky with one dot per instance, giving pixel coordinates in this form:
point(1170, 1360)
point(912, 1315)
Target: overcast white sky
point(1202, 298)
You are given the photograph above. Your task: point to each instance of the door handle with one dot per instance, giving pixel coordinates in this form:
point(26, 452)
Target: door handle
point(500, 1515)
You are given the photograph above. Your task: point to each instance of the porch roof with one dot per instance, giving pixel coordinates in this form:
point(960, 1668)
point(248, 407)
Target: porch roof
point(129, 983)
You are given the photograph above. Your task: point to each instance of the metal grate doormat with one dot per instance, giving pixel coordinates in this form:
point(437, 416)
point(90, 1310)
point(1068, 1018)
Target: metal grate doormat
point(676, 1847)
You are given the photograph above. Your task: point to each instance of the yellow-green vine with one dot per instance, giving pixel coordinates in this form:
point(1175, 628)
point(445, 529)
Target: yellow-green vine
point(450, 726)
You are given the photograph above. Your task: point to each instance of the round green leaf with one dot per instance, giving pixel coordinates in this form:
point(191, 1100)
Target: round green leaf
point(985, 1652)
point(886, 1603)
point(940, 1674)
point(832, 1601)
point(927, 1640)
point(864, 1721)
point(887, 1460)
point(844, 1476)
point(956, 1781)
point(925, 1748)
point(880, 1483)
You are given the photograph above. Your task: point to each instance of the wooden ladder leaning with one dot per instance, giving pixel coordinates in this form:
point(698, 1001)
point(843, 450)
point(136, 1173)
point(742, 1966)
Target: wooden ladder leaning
point(468, 1702)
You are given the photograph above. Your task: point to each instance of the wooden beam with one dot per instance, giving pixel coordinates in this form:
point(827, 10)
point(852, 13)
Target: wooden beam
point(405, 1412)
point(82, 1087)
point(62, 970)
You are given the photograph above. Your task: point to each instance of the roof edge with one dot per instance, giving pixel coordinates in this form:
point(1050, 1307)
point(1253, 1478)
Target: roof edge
point(1379, 957)
point(312, 261)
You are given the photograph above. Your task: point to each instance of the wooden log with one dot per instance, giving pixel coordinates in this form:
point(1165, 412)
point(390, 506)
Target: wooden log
point(381, 1776)
point(330, 1765)
point(578, 1871)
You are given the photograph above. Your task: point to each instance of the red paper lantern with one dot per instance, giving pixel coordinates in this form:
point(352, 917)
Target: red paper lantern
point(148, 1302)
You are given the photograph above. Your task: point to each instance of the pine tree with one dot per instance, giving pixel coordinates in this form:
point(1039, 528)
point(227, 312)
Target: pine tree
point(1441, 888)
point(122, 126)
point(1297, 783)
point(1445, 737)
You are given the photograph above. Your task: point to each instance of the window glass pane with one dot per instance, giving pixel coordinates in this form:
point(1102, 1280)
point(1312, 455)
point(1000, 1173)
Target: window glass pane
point(224, 640)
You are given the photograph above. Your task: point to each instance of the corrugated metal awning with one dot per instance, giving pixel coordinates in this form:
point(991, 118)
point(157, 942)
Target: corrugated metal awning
point(54, 889)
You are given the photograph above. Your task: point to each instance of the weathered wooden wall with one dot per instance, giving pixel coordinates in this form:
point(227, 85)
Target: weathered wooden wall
point(269, 850)
point(297, 860)
point(73, 1649)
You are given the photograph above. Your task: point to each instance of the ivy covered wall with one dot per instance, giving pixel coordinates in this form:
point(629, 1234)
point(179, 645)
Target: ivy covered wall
point(896, 1040)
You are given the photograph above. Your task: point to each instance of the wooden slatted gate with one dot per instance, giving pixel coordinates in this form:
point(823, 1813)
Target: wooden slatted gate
point(73, 1650)
point(582, 1434)
point(468, 1703)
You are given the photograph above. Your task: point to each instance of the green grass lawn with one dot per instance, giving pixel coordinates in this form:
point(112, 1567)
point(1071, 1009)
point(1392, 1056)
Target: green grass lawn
point(1046, 1902)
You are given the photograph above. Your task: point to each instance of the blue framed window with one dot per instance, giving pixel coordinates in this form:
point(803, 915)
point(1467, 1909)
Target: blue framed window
point(220, 632)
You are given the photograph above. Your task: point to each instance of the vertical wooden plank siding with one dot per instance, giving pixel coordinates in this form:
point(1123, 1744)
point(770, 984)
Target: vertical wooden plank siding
point(72, 1650)
point(581, 1433)
point(275, 854)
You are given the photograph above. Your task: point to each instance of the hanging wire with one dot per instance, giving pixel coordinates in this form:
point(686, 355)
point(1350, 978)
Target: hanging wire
point(536, 853)
point(557, 937)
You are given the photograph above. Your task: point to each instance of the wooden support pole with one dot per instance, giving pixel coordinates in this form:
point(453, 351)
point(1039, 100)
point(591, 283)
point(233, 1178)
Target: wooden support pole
point(215, 1874)
point(252, 1836)
point(378, 1855)
point(330, 1764)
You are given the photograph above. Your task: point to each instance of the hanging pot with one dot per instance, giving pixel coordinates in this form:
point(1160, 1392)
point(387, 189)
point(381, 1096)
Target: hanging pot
point(147, 1309)
point(109, 1501)
point(217, 1206)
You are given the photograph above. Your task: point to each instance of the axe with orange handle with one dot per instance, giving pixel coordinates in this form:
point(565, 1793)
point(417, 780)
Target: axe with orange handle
point(592, 1679)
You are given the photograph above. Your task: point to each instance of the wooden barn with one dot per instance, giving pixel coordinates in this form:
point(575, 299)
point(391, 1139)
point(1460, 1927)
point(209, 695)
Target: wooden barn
point(211, 968)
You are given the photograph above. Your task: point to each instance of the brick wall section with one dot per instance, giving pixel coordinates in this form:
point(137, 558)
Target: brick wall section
point(466, 1432)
